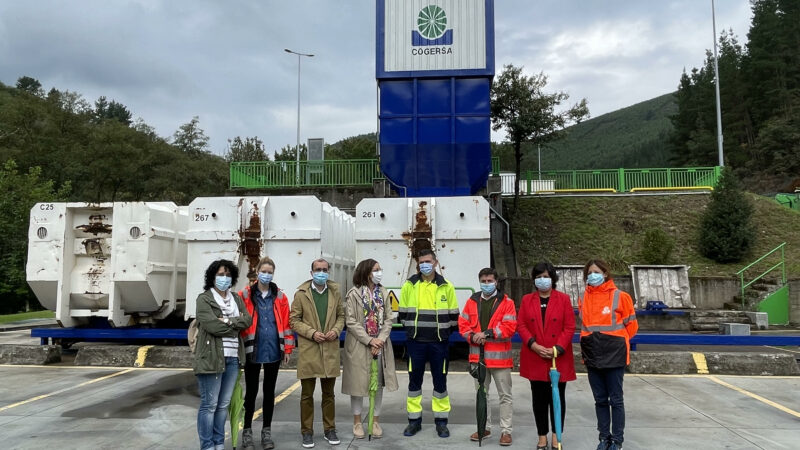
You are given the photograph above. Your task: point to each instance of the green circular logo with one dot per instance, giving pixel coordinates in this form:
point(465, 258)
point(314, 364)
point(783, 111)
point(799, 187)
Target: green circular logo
point(432, 22)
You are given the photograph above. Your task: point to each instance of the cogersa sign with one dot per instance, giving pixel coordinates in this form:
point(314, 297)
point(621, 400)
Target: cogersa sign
point(435, 37)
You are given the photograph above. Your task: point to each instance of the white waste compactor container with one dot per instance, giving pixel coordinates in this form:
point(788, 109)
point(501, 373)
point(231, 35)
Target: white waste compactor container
point(393, 230)
point(292, 230)
point(124, 261)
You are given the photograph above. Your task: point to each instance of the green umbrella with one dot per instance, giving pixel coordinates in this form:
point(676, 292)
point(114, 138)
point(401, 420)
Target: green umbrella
point(373, 389)
point(480, 400)
point(236, 410)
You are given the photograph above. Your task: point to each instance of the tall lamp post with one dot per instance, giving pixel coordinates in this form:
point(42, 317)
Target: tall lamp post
point(716, 84)
point(297, 166)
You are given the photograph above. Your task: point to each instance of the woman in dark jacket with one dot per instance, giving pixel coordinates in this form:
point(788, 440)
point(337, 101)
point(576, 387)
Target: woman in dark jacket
point(546, 323)
point(220, 316)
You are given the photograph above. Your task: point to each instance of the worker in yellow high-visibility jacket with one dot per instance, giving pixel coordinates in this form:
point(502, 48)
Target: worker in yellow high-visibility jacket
point(429, 313)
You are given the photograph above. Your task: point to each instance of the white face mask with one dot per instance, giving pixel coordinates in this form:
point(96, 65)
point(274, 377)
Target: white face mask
point(377, 276)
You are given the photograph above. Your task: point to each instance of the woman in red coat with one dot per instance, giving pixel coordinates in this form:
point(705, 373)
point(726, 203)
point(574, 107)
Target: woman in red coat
point(546, 321)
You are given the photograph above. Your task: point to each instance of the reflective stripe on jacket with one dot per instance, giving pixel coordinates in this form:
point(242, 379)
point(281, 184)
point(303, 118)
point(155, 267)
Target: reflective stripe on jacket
point(608, 322)
point(280, 307)
point(426, 317)
point(497, 350)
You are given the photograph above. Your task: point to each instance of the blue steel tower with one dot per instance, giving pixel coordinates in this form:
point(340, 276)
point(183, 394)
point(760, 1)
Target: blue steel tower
point(434, 67)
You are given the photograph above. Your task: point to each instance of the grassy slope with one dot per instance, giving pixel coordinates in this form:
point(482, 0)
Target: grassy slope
point(632, 137)
point(572, 230)
point(28, 315)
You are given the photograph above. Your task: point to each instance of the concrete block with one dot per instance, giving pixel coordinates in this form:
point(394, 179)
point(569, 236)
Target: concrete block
point(749, 363)
point(759, 319)
point(29, 354)
point(169, 357)
point(107, 355)
point(734, 329)
point(671, 363)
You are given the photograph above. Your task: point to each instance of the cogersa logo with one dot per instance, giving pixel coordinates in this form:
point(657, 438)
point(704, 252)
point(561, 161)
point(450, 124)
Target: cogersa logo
point(431, 28)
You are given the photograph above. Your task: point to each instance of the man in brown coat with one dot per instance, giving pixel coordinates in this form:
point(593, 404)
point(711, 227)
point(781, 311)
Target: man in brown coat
point(317, 317)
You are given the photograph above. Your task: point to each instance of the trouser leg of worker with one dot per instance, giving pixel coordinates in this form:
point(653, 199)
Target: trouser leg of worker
point(416, 371)
point(268, 391)
point(252, 373)
point(614, 379)
point(597, 381)
point(502, 382)
point(440, 403)
point(542, 396)
point(328, 403)
point(307, 386)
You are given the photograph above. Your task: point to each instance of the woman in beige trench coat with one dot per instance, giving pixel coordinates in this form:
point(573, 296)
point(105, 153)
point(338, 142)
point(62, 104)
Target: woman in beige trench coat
point(369, 323)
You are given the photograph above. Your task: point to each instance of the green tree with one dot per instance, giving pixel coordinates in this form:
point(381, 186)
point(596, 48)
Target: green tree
point(190, 138)
point(247, 149)
point(726, 230)
point(30, 85)
point(528, 114)
point(113, 110)
point(354, 147)
point(20, 192)
point(289, 153)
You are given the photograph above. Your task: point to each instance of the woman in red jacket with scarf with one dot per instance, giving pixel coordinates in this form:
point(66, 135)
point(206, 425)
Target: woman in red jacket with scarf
point(546, 322)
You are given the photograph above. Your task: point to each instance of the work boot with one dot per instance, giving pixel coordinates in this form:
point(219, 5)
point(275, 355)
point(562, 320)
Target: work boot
point(442, 431)
point(412, 428)
point(266, 439)
point(247, 439)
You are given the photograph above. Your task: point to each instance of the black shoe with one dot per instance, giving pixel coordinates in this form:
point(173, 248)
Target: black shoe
point(308, 440)
point(247, 439)
point(442, 431)
point(331, 437)
point(603, 445)
point(266, 439)
point(412, 429)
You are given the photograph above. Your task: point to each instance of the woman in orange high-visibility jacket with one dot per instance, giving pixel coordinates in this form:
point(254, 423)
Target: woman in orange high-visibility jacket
point(267, 342)
point(608, 322)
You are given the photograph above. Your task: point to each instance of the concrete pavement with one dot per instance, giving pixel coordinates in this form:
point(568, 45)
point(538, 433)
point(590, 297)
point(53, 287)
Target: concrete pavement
point(126, 408)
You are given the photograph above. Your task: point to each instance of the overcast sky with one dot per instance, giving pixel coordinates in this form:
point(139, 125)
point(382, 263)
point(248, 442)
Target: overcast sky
point(224, 61)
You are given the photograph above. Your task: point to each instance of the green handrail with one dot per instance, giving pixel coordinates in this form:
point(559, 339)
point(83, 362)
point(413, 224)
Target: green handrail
point(495, 165)
point(283, 174)
point(781, 264)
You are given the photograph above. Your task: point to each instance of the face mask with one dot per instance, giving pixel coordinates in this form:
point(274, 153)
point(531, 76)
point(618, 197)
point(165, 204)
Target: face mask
point(543, 284)
point(222, 282)
point(320, 278)
point(377, 276)
point(426, 268)
point(488, 288)
point(595, 279)
point(264, 277)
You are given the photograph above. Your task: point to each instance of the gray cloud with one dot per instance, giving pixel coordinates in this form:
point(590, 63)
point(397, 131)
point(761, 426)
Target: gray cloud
point(224, 61)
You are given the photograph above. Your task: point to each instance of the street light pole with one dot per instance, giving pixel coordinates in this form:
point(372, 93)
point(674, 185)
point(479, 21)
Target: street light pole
point(297, 149)
point(716, 84)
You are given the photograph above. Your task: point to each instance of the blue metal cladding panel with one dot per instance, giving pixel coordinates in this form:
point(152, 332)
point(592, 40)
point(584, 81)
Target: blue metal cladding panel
point(435, 135)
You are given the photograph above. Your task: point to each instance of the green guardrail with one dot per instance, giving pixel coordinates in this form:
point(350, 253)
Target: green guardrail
point(284, 174)
point(780, 265)
point(621, 180)
point(495, 165)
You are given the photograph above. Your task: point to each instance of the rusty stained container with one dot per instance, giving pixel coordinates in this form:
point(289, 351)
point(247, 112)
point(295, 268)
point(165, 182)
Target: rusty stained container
point(293, 231)
point(124, 262)
point(393, 230)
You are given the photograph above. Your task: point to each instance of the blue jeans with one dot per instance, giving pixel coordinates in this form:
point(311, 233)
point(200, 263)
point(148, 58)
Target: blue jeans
point(609, 405)
point(215, 396)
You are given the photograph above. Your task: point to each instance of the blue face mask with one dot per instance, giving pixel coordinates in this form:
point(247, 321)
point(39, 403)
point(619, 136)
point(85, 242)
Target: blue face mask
point(264, 277)
point(543, 284)
point(222, 282)
point(595, 279)
point(488, 288)
point(426, 268)
point(320, 278)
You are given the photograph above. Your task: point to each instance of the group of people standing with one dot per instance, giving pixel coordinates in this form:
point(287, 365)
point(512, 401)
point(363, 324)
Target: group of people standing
point(255, 329)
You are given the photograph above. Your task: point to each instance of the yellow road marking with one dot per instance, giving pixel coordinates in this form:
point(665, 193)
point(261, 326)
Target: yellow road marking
point(775, 405)
point(60, 391)
point(141, 355)
point(700, 363)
